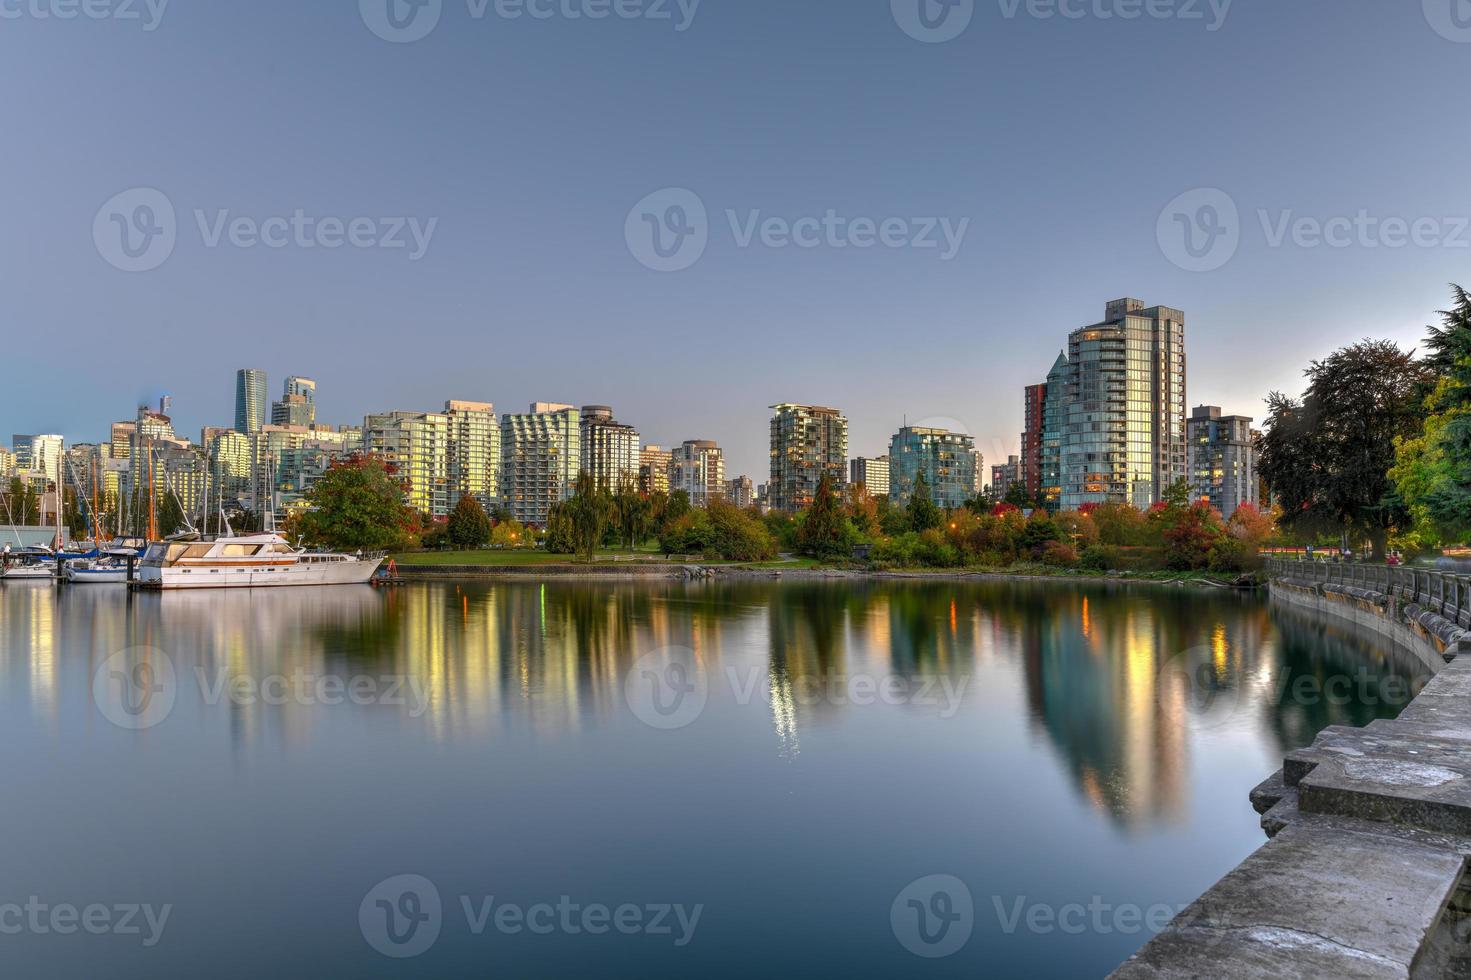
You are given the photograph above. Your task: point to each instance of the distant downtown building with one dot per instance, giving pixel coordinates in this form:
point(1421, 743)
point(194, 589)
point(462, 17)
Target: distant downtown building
point(1007, 475)
point(1222, 459)
point(948, 460)
point(873, 473)
point(610, 449)
point(653, 470)
point(1124, 439)
point(298, 404)
point(541, 455)
point(250, 400)
point(741, 492)
point(39, 454)
point(807, 442)
point(698, 468)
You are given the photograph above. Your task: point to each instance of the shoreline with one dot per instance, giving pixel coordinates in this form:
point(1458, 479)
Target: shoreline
point(698, 572)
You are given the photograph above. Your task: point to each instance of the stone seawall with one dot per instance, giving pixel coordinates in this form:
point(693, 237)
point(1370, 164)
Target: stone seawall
point(1426, 635)
point(1364, 871)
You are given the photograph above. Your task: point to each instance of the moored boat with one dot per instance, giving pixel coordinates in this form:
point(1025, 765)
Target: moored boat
point(247, 561)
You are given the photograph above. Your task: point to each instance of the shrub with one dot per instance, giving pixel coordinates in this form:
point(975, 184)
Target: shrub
point(1059, 555)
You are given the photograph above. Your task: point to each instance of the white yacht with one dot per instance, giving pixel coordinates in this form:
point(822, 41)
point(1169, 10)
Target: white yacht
point(247, 561)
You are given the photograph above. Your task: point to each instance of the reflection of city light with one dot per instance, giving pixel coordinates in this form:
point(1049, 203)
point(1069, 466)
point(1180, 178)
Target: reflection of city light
point(783, 711)
point(1087, 627)
point(1219, 650)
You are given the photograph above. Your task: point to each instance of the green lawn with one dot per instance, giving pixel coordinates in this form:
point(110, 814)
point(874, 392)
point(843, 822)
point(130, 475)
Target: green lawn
point(521, 557)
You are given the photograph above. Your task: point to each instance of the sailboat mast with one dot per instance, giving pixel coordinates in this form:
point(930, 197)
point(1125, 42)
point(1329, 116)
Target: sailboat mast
point(152, 497)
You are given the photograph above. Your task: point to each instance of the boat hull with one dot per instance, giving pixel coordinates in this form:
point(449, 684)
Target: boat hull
point(306, 573)
point(92, 576)
point(27, 574)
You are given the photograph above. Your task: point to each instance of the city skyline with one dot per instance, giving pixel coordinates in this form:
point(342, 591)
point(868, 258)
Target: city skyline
point(530, 241)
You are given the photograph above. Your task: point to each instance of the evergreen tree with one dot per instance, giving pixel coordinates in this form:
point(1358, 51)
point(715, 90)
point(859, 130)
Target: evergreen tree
point(469, 527)
point(923, 514)
point(825, 532)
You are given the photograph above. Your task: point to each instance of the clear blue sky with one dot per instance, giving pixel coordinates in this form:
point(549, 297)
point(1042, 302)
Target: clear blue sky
point(1060, 139)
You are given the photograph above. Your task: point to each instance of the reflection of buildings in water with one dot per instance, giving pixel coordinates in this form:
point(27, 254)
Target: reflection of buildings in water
point(1092, 662)
point(1328, 674)
point(28, 644)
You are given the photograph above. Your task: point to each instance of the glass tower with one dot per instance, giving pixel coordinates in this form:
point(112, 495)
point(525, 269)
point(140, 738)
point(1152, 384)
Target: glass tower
point(1124, 440)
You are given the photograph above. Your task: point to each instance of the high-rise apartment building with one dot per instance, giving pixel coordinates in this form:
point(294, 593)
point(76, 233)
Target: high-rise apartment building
point(1222, 459)
point(541, 454)
point(1054, 426)
point(1125, 432)
point(873, 473)
point(230, 465)
point(416, 443)
point(250, 400)
point(698, 468)
point(948, 461)
point(653, 470)
point(1034, 406)
point(741, 492)
point(474, 453)
point(1006, 475)
point(610, 449)
point(807, 442)
point(121, 438)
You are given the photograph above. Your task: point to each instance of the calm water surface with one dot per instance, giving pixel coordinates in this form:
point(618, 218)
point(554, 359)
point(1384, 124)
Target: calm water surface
point(783, 760)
